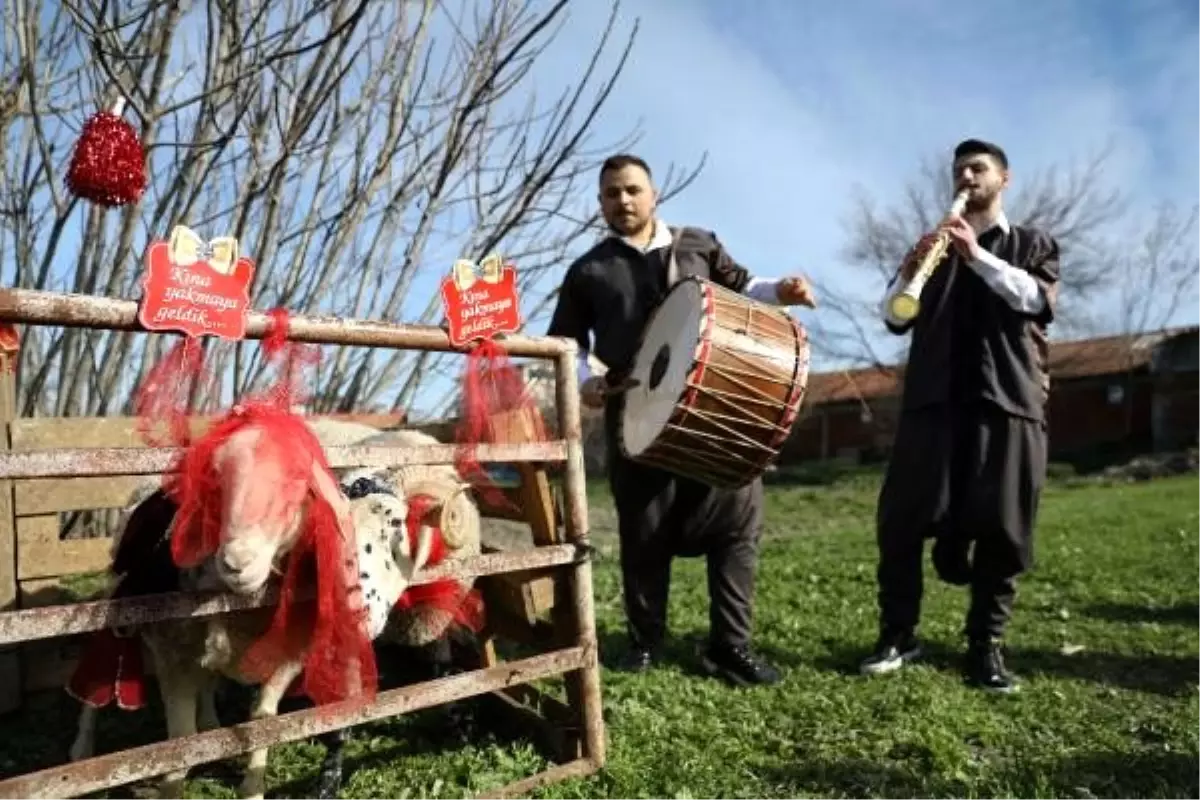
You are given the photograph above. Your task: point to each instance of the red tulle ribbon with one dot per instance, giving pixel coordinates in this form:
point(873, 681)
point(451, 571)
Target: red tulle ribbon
point(108, 165)
point(167, 394)
point(497, 407)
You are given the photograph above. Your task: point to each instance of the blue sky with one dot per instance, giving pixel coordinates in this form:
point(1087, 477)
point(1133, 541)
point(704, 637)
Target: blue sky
point(796, 102)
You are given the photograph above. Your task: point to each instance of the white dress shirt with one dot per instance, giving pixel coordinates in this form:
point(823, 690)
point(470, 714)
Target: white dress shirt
point(1014, 285)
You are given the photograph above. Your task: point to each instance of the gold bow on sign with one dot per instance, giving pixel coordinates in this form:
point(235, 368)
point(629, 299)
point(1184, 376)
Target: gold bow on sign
point(492, 268)
point(186, 248)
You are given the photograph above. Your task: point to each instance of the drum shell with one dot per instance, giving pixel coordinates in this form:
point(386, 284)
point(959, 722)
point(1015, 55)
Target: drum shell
point(742, 396)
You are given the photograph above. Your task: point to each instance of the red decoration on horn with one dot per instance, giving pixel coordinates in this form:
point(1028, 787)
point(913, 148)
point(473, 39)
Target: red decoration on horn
point(463, 602)
point(109, 165)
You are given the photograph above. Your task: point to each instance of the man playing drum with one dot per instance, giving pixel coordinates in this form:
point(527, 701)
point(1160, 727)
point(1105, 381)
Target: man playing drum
point(606, 300)
point(969, 457)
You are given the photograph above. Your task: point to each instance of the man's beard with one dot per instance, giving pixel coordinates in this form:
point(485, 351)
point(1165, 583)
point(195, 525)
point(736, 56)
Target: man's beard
point(622, 226)
point(981, 201)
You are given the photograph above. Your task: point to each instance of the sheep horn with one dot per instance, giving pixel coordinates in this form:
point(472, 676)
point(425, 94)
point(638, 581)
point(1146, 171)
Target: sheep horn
point(424, 547)
point(451, 520)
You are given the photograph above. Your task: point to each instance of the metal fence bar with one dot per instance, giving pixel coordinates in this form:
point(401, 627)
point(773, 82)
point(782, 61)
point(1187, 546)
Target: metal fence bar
point(109, 313)
point(95, 462)
point(579, 768)
point(581, 592)
point(65, 620)
point(138, 763)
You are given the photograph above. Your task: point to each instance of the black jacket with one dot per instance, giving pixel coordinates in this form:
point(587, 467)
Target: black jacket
point(609, 293)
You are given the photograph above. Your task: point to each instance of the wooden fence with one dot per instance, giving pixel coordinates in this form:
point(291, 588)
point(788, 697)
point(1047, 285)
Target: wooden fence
point(52, 467)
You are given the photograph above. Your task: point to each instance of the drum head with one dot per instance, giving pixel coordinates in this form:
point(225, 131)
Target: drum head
point(666, 356)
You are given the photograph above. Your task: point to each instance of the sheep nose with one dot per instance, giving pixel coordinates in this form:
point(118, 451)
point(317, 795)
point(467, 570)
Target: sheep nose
point(236, 556)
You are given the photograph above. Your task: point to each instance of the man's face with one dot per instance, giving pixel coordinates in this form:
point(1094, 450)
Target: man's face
point(985, 178)
point(627, 199)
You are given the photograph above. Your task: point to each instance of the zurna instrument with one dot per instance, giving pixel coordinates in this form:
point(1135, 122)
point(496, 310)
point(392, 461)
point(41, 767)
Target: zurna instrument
point(906, 304)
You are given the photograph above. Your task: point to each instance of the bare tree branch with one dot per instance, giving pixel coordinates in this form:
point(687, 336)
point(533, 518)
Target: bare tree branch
point(355, 149)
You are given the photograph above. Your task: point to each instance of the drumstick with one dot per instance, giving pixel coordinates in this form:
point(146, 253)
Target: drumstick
point(622, 387)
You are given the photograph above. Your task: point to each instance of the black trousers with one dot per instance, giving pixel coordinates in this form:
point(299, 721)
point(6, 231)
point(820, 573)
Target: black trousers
point(965, 475)
point(661, 516)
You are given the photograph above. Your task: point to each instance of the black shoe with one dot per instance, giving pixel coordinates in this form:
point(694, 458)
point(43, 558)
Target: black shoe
point(638, 659)
point(985, 668)
point(892, 651)
point(951, 561)
point(740, 666)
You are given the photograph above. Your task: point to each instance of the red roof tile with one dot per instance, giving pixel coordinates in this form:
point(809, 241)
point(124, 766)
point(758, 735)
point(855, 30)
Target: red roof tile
point(1081, 358)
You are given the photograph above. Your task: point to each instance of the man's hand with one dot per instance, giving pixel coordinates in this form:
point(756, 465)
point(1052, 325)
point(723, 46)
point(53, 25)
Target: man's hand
point(592, 392)
point(795, 291)
point(908, 267)
point(596, 390)
point(962, 236)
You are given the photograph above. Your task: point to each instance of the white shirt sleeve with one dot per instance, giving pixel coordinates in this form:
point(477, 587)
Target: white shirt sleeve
point(1015, 286)
point(584, 371)
point(763, 290)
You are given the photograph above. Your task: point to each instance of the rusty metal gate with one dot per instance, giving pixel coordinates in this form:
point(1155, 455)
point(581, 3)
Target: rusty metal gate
point(577, 662)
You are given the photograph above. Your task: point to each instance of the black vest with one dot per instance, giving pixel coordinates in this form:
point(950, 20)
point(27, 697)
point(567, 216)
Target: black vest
point(969, 345)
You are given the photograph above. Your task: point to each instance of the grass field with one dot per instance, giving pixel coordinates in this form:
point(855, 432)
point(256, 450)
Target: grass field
point(1105, 638)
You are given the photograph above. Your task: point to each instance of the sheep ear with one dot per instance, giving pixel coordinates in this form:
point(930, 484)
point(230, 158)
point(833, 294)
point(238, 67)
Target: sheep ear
point(327, 489)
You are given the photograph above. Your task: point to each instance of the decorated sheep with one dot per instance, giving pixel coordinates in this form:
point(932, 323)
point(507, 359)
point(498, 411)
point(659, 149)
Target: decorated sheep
point(425, 614)
point(382, 503)
point(255, 505)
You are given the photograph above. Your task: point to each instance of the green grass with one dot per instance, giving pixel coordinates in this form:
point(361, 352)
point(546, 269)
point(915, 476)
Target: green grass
point(1104, 636)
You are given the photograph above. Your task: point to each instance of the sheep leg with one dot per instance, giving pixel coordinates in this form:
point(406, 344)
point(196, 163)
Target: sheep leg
point(84, 745)
point(331, 768)
point(179, 691)
point(210, 720)
point(255, 783)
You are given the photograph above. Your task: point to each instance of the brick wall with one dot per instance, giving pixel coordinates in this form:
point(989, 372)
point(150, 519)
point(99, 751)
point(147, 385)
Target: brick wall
point(1099, 411)
point(1147, 412)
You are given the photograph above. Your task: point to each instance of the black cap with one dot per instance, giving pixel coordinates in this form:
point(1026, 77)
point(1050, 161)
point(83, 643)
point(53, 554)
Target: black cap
point(971, 147)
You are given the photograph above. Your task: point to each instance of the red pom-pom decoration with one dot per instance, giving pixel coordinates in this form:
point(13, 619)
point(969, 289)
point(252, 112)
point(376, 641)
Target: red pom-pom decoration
point(108, 166)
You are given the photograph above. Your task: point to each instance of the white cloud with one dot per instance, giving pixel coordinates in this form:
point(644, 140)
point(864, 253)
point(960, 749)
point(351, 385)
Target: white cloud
point(797, 101)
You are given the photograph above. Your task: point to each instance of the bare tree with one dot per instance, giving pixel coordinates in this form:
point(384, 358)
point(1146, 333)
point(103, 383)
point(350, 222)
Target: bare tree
point(1072, 203)
point(354, 148)
point(1152, 277)
point(1153, 269)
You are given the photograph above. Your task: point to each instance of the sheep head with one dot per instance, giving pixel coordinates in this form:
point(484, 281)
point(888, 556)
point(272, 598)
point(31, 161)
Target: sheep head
point(245, 493)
